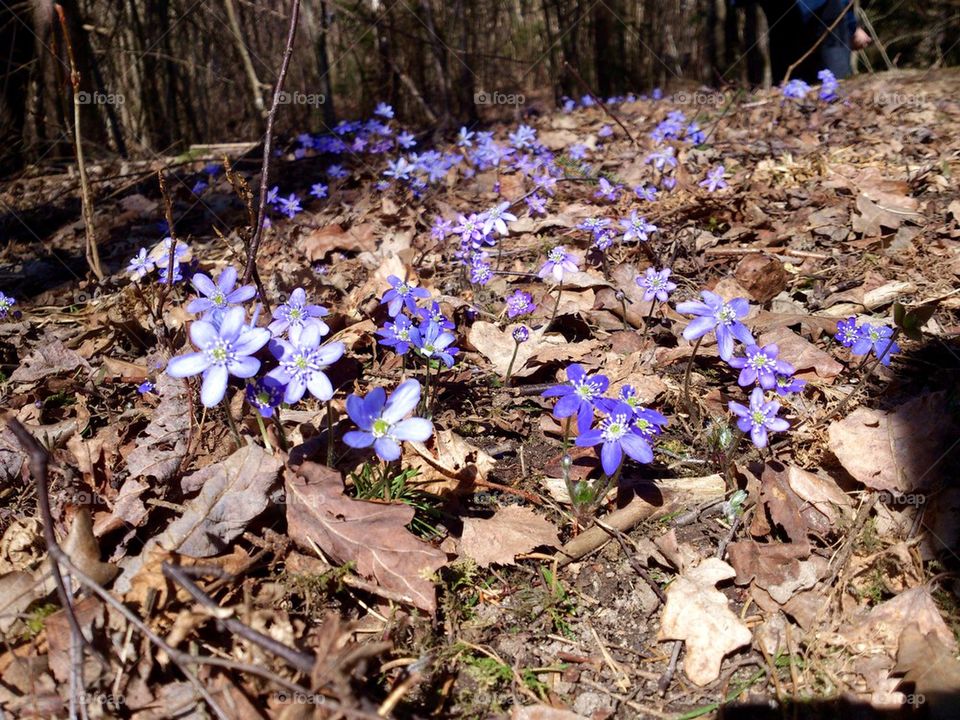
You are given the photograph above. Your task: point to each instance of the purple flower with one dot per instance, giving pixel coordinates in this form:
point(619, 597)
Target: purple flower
point(847, 332)
point(220, 295)
point(140, 265)
point(6, 304)
point(521, 334)
point(199, 186)
point(537, 205)
point(265, 395)
point(656, 284)
point(225, 350)
point(480, 271)
point(384, 110)
point(647, 423)
point(760, 365)
point(668, 182)
point(520, 303)
point(879, 339)
point(721, 317)
point(290, 205)
point(272, 195)
point(432, 341)
point(319, 190)
point(645, 192)
point(559, 261)
point(759, 418)
point(295, 314)
point(617, 437)
point(435, 314)
point(302, 361)
point(607, 191)
point(828, 87)
point(400, 335)
point(496, 218)
point(441, 228)
point(400, 295)
point(662, 158)
point(714, 180)
point(146, 387)
point(796, 89)
point(406, 140)
point(165, 275)
point(465, 138)
point(788, 384)
point(579, 395)
point(637, 227)
point(381, 421)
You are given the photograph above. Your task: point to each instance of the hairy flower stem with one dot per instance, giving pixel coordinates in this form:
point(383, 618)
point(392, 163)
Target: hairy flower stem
point(687, 404)
point(232, 422)
point(263, 434)
point(555, 307)
point(281, 434)
point(611, 481)
point(329, 433)
point(425, 409)
point(513, 358)
point(731, 453)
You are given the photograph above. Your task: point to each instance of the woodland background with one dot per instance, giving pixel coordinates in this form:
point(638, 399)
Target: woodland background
point(158, 83)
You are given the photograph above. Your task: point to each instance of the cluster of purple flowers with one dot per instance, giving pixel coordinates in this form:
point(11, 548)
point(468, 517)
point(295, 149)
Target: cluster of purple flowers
point(430, 337)
point(758, 365)
point(676, 127)
point(623, 426)
point(145, 262)
point(6, 305)
point(864, 338)
point(798, 89)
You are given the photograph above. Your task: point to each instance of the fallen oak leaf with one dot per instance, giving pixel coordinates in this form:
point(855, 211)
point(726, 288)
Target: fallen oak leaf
point(372, 535)
point(697, 613)
point(511, 531)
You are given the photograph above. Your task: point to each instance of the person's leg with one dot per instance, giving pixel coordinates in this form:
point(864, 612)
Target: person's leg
point(834, 53)
point(784, 36)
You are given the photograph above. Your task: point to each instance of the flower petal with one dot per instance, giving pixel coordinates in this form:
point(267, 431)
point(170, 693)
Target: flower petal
point(244, 367)
point(203, 285)
point(214, 385)
point(402, 402)
point(611, 455)
point(589, 438)
point(251, 341)
point(698, 327)
point(328, 354)
point(413, 429)
point(637, 448)
point(358, 439)
point(566, 406)
point(320, 387)
point(386, 449)
point(203, 334)
point(227, 279)
point(232, 323)
point(188, 365)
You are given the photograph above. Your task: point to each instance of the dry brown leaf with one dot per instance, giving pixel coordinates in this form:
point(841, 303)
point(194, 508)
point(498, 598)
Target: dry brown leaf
point(932, 668)
point(885, 451)
point(49, 357)
point(512, 531)
point(542, 712)
point(315, 244)
point(780, 569)
point(372, 535)
point(883, 625)
point(497, 345)
point(454, 467)
point(807, 359)
point(232, 493)
point(17, 591)
point(697, 613)
point(163, 443)
point(762, 276)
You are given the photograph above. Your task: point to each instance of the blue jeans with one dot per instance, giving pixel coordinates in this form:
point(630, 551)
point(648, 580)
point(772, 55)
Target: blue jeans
point(791, 35)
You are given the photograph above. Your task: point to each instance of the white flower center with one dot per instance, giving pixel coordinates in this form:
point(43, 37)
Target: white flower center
point(614, 428)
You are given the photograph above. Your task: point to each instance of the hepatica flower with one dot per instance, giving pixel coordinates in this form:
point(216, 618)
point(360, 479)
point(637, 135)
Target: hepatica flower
point(559, 261)
point(713, 314)
point(519, 304)
point(876, 338)
point(434, 313)
point(656, 284)
point(140, 265)
point(434, 342)
point(636, 227)
point(6, 305)
point(760, 418)
point(265, 395)
point(714, 180)
point(796, 89)
point(400, 335)
point(223, 351)
point(520, 334)
point(579, 395)
point(220, 295)
point(788, 384)
point(302, 361)
point(847, 332)
point(401, 294)
point(381, 420)
point(296, 313)
point(760, 365)
point(614, 431)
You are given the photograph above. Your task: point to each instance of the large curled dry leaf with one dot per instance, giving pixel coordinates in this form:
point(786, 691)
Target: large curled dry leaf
point(898, 451)
point(512, 531)
point(49, 357)
point(497, 345)
point(372, 535)
point(456, 466)
point(163, 443)
point(232, 493)
point(697, 613)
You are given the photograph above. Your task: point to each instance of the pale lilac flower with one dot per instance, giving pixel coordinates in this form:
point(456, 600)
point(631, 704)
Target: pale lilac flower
point(381, 421)
point(302, 360)
point(714, 180)
point(319, 190)
point(760, 365)
point(296, 313)
point(6, 304)
point(713, 314)
point(559, 261)
point(140, 265)
point(607, 191)
point(401, 294)
point(220, 295)
point(759, 418)
point(384, 110)
point(662, 158)
point(520, 303)
point(225, 350)
point(496, 218)
point(521, 334)
point(637, 227)
point(656, 284)
point(537, 205)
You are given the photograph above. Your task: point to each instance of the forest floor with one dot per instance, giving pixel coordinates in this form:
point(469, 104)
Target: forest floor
point(469, 588)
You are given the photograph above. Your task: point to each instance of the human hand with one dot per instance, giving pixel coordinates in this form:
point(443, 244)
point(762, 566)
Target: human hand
point(861, 39)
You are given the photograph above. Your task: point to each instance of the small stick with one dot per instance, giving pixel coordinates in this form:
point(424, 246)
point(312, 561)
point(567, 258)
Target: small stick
point(268, 145)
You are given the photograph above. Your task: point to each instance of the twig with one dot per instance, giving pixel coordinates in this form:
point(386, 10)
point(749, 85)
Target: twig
point(303, 662)
point(600, 102)
point(634, 563)
point(268, 145)
point(93, 253)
